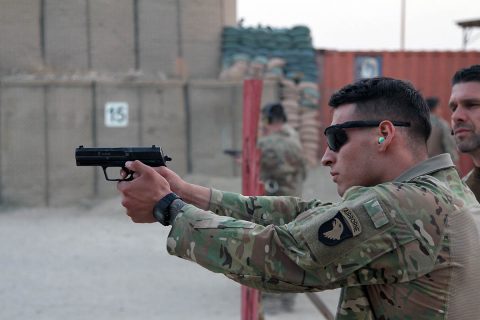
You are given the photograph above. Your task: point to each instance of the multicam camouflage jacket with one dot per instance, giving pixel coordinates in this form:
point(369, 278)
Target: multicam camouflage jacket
point(472, 179)
point(406, 249)
point(282, 165)
point(441, 139)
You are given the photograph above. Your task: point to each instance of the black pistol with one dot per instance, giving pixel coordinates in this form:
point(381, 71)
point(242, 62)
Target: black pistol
point(234, 153)
point(116, 157)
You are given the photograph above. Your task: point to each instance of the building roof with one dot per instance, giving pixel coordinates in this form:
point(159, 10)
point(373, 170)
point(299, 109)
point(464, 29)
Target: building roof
point(469, 23)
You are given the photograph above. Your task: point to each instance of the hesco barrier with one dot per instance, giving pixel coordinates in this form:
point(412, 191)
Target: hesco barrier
point(430, 72)
point(215, 119)
point(173, 38)
point(43, 121)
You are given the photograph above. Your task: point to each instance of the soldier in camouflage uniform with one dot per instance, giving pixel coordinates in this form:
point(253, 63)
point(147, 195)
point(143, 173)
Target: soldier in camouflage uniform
point(282, 170)
point(402, 242)
point(282, 164)
point(465, 106)
point(441, 139)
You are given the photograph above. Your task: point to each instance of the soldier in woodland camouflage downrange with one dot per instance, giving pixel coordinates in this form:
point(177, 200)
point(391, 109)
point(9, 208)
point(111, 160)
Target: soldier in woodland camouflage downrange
point(402, 243)
point(282, 170)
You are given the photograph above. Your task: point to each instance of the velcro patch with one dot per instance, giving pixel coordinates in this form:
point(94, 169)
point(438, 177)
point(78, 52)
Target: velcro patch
point(375, 211)
point(343, 225)
point(352, 221)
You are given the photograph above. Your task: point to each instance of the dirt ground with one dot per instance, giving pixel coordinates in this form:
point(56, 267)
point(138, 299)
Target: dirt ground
point(92, 262)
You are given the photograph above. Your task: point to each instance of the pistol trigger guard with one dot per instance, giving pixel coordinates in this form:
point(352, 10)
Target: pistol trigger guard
point(105, 173)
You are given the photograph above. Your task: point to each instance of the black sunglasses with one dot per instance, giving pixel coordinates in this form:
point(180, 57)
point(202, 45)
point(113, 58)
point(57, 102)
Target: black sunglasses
point(337, 136)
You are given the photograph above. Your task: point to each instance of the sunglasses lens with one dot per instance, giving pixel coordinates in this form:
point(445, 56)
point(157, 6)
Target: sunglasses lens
point(336, 138)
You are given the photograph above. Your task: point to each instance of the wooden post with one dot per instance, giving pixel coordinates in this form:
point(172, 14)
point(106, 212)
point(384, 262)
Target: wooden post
point(251, 185)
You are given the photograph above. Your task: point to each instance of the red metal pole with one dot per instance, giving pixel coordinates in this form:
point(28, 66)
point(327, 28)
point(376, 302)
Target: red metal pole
point(252, 93)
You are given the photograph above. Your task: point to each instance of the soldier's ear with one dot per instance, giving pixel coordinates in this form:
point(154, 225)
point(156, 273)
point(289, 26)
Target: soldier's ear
point(386, 132)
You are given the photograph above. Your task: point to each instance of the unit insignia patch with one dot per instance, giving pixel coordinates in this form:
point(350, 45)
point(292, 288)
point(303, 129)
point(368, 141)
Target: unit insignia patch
point(343, 225)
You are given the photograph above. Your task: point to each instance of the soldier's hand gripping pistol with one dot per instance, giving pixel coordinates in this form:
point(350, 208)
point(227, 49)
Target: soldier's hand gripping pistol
point(116, 157)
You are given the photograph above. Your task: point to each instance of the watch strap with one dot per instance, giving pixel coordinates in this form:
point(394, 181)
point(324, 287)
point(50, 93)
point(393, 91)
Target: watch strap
point(161, 210)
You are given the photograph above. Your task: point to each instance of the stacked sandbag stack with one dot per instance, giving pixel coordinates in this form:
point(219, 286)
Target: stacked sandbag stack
point(238, 67)
point(300, 102)
point(285, 55)
point(290, 97)
point(309, 125)
point(275, 69)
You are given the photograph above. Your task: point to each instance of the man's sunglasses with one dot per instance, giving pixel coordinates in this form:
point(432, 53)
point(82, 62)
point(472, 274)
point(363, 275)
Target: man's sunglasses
point(337, 136)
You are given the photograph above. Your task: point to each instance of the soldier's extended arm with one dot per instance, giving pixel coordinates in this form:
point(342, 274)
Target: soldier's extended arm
point(276, 210)
point(263, 210)
point(328, 246)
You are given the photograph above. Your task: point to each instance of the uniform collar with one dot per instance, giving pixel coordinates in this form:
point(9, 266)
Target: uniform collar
point(428, 166)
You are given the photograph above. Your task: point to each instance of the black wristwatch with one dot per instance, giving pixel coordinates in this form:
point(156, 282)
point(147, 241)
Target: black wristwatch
point(161, 211)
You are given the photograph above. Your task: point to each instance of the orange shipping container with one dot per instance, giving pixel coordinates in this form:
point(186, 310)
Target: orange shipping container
point(428, 71)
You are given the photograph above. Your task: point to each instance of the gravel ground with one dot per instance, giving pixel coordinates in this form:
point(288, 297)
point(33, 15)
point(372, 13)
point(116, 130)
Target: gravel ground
point(92, 262)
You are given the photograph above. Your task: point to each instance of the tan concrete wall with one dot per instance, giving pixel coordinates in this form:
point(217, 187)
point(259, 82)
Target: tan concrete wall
point(166, 38)
point(20, 41)
point(42, 122)
point(159, 37)
point(22, 142)
point(216, 123)
point(229, 12)
point(61, 61)
point(69, 124)
point(66, 36)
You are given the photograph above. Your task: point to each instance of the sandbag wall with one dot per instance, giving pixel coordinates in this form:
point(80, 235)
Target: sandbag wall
point(286, 56)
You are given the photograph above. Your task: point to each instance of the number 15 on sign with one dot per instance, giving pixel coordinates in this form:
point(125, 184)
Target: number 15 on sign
point(116, 114)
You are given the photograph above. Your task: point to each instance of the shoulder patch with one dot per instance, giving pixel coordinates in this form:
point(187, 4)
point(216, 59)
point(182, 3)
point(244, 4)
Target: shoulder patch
point(343, 225)
point(375, 212)
point(352, 221)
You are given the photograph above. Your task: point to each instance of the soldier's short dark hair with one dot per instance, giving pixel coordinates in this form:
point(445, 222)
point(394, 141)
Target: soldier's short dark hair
point(432, 102)
point(274, 112)
point(469, 74)
point(383, 98)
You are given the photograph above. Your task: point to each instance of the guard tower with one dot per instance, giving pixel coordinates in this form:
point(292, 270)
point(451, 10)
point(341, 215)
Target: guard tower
point(467, 27)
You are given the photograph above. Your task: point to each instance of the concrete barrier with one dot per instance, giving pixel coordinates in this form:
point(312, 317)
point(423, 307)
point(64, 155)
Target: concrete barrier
point(158, 37)
point(66, 36)
point(43, 121)
point(112, 35)
point(69, 124)
point(22, 141)
point(201, 26)
point(20, 41)
point(156, 116)
point(215, 123)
